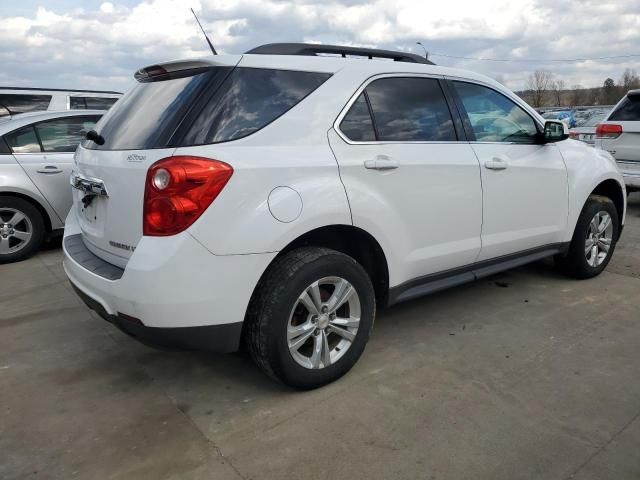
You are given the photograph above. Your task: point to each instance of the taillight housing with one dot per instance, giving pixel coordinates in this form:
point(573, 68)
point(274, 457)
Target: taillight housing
point(608, 130)
point(178, 190)
point(573, 134)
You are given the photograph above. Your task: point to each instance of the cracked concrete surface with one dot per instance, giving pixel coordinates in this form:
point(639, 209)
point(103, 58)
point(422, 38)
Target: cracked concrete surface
point(524, 375)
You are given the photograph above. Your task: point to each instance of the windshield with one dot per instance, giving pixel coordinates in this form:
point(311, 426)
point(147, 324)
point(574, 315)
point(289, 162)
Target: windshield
point(593, 120)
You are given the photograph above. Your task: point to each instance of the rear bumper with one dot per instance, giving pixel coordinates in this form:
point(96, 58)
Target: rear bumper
point(181, 293)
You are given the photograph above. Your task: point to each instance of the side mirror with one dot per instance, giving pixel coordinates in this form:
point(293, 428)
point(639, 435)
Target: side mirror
point(555, 131)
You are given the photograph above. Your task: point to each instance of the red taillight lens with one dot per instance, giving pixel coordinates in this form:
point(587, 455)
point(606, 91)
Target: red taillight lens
point(573, 134)
point(606, 130)
point(178, 190)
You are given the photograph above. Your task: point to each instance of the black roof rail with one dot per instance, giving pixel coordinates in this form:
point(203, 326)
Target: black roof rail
point(316, 49)
point(71, 90)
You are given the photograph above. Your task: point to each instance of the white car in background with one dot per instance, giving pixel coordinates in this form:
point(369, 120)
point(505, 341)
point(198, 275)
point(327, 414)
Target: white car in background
point(619, 135)
point(14, 100)
point(277, 198)
point(36, 156)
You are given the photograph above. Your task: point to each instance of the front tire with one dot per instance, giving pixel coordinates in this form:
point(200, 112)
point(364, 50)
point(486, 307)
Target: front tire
point(310, 317)
point(594, 239)
point(21, 229)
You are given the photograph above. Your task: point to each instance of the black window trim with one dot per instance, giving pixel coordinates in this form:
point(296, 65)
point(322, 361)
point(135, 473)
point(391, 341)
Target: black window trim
point(455, 116)
point(33, 126)
point(466, 123)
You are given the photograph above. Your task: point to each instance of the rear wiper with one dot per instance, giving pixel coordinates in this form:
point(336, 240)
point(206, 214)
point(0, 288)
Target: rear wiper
point(95, 137)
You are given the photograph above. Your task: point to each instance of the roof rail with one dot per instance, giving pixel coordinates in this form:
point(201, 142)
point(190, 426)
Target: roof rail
point(316, 49)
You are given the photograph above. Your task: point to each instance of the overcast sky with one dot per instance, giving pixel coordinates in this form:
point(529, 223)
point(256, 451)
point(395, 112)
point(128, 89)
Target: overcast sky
point(98, 45)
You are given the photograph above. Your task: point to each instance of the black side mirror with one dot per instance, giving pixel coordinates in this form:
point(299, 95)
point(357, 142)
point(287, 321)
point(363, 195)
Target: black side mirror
point(555, 131)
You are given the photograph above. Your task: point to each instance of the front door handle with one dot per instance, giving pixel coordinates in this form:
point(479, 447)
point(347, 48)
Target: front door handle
point(49, 169)
point(496, 163)
point(381, 162)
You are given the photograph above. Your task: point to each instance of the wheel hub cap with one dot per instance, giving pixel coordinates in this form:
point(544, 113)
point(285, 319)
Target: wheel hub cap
point(599, 239)
point(323, 323)
point(15, 230)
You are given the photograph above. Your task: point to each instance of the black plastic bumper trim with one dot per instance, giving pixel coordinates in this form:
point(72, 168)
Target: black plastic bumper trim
point(79, 252)
point(224, 338)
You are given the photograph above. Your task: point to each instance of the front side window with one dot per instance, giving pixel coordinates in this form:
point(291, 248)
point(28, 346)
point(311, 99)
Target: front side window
point(357, 124)
point(628, 110)
point(64, 134)
point(23, 140)
point(409, 109)
point(493, 117)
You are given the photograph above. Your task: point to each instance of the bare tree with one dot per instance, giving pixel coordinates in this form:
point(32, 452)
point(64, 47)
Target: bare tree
point(577, 95)
point(538, 84)
point(629, 80)
point(557, 86)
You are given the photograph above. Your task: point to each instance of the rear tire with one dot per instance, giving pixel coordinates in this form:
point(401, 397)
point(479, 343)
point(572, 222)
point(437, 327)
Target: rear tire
point(310, 317)
point(594, 239)
point(21, 229)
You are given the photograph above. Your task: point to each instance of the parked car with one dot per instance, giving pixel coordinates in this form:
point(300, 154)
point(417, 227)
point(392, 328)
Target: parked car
point(279, 200)
point(619, 135)
point(565, 116)
point(36, 154)
point(21, 100)
point(586, 131)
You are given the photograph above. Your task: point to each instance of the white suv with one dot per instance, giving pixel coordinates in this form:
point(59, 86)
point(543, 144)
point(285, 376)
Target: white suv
point(619, 134)
point(276, 200)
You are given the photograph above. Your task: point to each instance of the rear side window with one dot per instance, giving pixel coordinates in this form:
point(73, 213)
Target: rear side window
point(493, 117)
point(23, 140)
point(410, 109)
point(91, 103)
point(357, 124)
point(248, 100)
point(64, 134)
point(215, 105)
point(21, 103)
point(628, 110)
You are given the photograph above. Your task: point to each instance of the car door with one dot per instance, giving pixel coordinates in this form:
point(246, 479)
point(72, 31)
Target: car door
point(409, 181)
point(45, 152)
point(524, 183)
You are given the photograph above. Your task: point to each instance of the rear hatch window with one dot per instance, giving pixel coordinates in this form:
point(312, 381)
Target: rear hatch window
point(628, 110)
point(211, 105)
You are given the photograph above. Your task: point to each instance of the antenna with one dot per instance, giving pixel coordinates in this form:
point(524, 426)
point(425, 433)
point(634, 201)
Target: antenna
point(213, 50)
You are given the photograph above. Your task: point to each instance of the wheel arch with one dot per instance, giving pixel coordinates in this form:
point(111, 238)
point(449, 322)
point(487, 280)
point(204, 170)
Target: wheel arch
point(38, 205)
point(612, 189)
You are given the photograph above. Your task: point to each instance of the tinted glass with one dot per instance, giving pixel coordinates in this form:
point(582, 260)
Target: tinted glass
point(20, 103)
point(410, 109)
point(628, 110)
point(248, 100)
point(64, 134)
point(91, 103)
point(357, 124)
point(148, 114)
point(493, 117)
point(23, 140)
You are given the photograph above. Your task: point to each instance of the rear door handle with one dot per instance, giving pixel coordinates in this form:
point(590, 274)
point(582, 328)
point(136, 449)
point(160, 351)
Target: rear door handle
point(381, 162)
point(49, 169)
point(496, 163)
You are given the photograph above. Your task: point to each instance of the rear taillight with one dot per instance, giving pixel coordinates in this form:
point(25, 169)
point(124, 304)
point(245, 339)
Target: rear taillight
point(178, 190)
point(573, 134)
point(607, 130)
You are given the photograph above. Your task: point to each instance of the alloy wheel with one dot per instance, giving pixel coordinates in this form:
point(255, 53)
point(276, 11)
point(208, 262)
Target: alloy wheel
point(599, 239)
point(323, 323)
point(15, 230)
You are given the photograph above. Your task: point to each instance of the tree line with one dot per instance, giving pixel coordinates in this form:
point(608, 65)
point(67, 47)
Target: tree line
point(545, 90)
